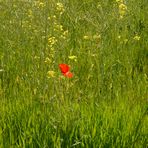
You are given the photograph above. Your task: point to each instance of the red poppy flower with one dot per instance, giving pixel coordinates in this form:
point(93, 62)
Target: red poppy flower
point(65, 70)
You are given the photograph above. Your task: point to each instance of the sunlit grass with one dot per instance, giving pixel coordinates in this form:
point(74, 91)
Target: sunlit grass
point(104, 104)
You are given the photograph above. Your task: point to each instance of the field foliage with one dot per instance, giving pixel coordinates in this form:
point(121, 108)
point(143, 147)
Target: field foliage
point(104, 104)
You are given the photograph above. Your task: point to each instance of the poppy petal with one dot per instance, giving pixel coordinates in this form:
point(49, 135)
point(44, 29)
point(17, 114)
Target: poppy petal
point(64, 68)
point(68, 74)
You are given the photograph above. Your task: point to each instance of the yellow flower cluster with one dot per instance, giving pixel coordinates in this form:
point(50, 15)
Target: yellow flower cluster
point(90, 37)
point(64, 34)
point(47, 60)
point(86, 37)
point(58, 27)
point(60, 8)
point(50, 51)
point(39, 4)
point(52, 41)
point(56, 35)
point(73, 58)
point(50, 74)
point(122, 8)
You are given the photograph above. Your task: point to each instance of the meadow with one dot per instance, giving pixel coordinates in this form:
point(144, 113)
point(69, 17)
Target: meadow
point(104, 104)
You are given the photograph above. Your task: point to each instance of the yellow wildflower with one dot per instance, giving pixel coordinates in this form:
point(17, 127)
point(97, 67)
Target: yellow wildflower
point(122, 10)
point(50, 74)
point(122, 7)
point(36, 57)
point(41, 4)
point(119, 36)
point(49, 18)
point(52, 40)
point(58, 27)
point(65, 33)
point(137, 38)
point(74, 58)
point(47, 60)
point(54, 17)
point(86, 37)
point(60, 8)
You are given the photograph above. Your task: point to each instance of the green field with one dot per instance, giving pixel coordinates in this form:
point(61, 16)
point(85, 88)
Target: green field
point(104, 104)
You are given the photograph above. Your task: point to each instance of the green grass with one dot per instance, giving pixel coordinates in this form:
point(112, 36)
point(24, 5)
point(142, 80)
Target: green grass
point(104, 105)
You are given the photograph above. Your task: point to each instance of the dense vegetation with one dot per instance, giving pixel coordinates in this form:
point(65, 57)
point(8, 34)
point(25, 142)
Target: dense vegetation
point(104, 104)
